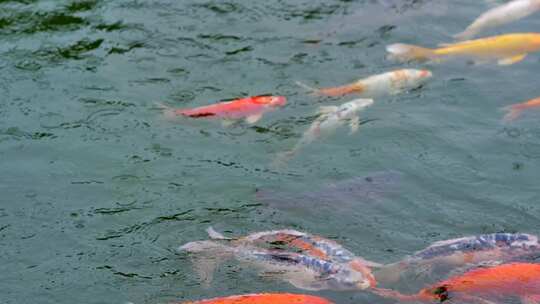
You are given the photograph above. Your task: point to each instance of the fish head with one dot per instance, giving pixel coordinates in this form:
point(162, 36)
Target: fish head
point(424, 74)
point(272, 101)
point(439, 293)
point(348, 280)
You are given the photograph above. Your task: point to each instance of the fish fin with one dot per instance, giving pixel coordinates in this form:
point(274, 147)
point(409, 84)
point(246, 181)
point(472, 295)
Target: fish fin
point(531, 299)
point(205, 257)
point(512, 60)
point(251, 119)
point(306, 87)
point(282, 158)
point(388, 274)
point(168, 112)
point(466, 35)
point(372, 264)
point(228, 122)
point(214, 235)
point(354, 124)
point(513, 112)
point(327, 109)
point(407, 52)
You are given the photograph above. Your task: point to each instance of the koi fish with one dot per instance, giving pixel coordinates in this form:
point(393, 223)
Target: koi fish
point(507, 49)
point(482, 285)
point(487, 248)
point(308, 244)
point(514, 111)
point(302, 271)
point(389, 83)
point(331, 118)
point(503, 14)
point(265, 298)
point(250, 108)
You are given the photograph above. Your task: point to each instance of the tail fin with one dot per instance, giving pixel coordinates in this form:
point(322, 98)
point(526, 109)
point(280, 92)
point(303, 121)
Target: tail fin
point(407, 52)
point(513, 112)
point(168, 112)
point(214, 235)
point(205, 257)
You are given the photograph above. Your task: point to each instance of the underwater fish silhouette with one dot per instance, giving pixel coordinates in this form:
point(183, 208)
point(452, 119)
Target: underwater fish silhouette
point(346, 193)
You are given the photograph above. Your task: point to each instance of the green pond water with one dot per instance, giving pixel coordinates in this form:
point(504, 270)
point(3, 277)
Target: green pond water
point(98, 190)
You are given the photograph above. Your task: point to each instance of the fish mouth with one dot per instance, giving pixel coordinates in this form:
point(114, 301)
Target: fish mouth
point(425, 74)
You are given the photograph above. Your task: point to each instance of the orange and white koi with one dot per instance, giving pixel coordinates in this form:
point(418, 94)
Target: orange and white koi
point(301, 270)
point(494, 248)
point(481, 285)
point(506, 49)
point(514, 111)
point(389, 83)
point(251, 109)
point(305, 243)
point(500, 15)
point(265, 298)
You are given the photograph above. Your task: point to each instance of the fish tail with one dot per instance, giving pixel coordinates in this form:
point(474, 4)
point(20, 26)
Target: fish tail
point(206, 256)
point(168, 112)
point(408, 52)
point(214, 235)
point(467, 34)
point(513, 112)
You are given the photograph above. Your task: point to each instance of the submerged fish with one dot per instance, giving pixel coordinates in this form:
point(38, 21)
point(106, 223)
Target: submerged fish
point(331, 118)
point(486, 248)
point(482, 285)
point(342, 193)
point(389, 83)
point(506, 13)
point(265, 298)
point(514, 111)
point(251, 109)
point(304, 243)
point(507, 49)
point(300, 270)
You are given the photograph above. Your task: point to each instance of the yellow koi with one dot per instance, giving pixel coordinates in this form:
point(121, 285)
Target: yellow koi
point(506, 49)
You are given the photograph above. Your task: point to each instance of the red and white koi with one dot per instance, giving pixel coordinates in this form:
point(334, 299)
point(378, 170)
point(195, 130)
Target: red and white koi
point(500, 15)
point(251, 109)
point(389, 83)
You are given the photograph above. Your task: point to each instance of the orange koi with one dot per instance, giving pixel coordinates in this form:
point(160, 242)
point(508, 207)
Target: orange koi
point(265, 298)
point(514, 111)
point(250, 108)
point(481, 285)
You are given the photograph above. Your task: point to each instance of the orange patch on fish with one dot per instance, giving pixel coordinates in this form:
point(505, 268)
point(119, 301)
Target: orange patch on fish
point(265, 298)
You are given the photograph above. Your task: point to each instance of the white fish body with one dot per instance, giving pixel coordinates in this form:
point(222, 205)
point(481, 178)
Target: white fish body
point(394, 82)
point(332, 117)
point(500, 15)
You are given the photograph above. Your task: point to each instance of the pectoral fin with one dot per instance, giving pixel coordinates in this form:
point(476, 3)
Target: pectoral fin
point(354, 124)
point(327, 109)
point(228, 122)
point(512, 60)
point(251, 119)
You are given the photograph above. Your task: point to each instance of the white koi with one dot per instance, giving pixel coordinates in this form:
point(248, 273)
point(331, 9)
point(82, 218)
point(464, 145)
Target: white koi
point(500, 15)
